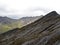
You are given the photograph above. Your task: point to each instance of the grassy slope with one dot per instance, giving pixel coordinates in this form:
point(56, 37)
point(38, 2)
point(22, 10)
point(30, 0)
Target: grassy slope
point(7, 27)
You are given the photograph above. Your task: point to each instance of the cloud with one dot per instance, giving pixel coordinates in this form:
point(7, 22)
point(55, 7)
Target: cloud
point(33, 11)
point(2, 9)
point(30, 11)
point(36, 11)
point(5, 11)
point(20, 8)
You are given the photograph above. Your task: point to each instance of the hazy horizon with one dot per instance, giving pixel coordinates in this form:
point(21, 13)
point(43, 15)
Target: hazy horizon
point(22, 8)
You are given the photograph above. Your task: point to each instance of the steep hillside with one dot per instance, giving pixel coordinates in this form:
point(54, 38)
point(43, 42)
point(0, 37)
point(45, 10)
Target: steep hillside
point(44, 31)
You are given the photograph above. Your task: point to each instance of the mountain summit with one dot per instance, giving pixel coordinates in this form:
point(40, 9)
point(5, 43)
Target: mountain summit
point(53, 13)
point(44, 31)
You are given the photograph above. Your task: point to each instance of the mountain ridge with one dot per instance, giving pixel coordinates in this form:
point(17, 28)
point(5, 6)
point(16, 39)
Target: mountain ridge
point(44, 31)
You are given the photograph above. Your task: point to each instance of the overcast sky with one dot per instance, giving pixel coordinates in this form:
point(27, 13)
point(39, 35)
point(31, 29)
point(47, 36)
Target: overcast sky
point(21, 8)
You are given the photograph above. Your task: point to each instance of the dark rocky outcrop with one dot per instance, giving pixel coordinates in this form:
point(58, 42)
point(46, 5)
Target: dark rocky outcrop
point(44, 31)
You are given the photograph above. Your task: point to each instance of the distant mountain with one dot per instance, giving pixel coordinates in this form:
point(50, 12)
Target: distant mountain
point(6, 20)
point(7, 23)
point(27, 20)
point(44, 31)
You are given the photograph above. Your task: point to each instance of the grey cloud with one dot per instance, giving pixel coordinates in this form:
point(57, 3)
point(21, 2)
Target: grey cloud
point(3, 9)
point(27, 12)
point(45, 10)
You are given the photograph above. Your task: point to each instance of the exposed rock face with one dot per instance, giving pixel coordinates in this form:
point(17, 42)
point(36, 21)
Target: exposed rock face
point(44, 31)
